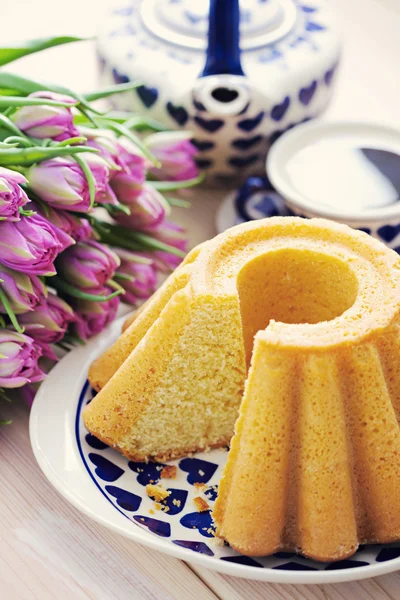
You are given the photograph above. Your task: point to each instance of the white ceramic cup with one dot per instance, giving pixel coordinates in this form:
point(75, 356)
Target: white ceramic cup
point(382, 223)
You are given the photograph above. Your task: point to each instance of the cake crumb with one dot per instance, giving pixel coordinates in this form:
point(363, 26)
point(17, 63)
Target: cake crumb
point(201, 504)
point(218, 541)
point(169, 472)
point(157, 505)
point(158, 492)
point(176, 502)
point(151, 511)
point(200, 486)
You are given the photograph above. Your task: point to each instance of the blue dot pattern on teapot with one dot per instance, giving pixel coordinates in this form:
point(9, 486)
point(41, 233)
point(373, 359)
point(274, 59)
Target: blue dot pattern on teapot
point(235, 144)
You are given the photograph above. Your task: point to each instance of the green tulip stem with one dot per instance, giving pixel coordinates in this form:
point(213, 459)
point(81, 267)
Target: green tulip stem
point(69, 338)
point(11, 127)
point(10, 312)
point(177, 202)
point(65, 287)
point(169, 186)
point(17, 101)
point(85, 112)
point(89, 178)
point(110, 91)
point(18, 140)
point(29, 156)
point(140, 123)
point(120, 129)
point(115, 286)
point(116, 208)
point(121, 237)
point(124, 276)
point(26, 213)
point(70, 142)
point(7, 146)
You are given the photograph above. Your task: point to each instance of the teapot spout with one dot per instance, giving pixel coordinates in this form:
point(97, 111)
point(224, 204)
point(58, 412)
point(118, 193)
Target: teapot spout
point(223, 50)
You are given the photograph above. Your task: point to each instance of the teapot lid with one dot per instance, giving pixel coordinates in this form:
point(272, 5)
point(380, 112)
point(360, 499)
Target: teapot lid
point(185, 22)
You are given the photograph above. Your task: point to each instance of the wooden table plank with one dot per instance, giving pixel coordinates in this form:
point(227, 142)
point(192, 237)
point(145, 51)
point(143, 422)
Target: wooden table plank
point(48, 549)
point(232, 588)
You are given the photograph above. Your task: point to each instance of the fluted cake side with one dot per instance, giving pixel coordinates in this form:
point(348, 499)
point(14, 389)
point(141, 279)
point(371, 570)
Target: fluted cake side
point(300, 318)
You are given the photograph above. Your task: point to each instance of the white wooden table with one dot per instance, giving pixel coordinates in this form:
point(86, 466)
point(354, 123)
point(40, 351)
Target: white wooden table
point(47, 548)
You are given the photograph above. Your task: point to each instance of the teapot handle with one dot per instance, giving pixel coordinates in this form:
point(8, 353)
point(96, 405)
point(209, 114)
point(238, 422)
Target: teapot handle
point(223, 49)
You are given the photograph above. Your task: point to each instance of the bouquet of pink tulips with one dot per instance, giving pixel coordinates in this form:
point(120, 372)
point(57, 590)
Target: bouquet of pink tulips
point(83, 219)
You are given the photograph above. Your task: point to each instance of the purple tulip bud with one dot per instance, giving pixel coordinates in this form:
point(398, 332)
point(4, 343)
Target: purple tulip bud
point(176, 154)
point(23, 292)
point(93, 317)
point(12, 196)
point(105, 142)
point(164, 261)
point(128, 181)
point(55, 122)
point(18, 360)
point(31, 245)
point(148, 210)
point(173, 235)
point(79, 229)
point(61, 182)
point(49, 321)
point(87, 264)
point(142, 276)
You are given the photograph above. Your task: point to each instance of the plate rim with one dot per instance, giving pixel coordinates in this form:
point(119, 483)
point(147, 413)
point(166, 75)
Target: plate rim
point(136, 534)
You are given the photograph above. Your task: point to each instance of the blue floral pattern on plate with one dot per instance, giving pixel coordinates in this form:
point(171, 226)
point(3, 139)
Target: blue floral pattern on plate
point(176, 519)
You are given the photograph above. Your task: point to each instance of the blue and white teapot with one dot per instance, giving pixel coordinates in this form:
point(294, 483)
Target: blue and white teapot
point(236, 77)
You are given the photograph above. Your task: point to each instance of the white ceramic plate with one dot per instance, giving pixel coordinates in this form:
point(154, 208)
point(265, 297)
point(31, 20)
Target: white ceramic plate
point(111, 490)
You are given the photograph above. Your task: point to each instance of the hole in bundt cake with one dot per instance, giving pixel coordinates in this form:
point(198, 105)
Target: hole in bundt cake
point(293, 286)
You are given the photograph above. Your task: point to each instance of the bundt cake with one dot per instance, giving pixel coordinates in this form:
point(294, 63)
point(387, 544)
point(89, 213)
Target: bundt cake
point(303, 315)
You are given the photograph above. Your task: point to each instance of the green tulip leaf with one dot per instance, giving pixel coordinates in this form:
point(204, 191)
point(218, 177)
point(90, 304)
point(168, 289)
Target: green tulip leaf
point(110, 91)
point(15, 51)
point(29, 156)
point(89, 178)
point(169, 186)
point(124, 131)
point(17, 101)
point(25, 86)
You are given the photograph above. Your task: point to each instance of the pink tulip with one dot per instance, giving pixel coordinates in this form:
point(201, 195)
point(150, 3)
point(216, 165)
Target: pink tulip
point(62, 183)
point(128, 181)
point(87, 265)
point(140, 278)
point(176, 154)
point(49, 321)
point(55, 122)
point(31, 245)
point(148, 210)
point(18, 360)
point(79, 229)
point(23, 292)
point(12, 196)
point(172, 234)
point(93, 317)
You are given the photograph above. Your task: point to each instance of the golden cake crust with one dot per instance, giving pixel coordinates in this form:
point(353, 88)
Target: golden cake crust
point(297, 323)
